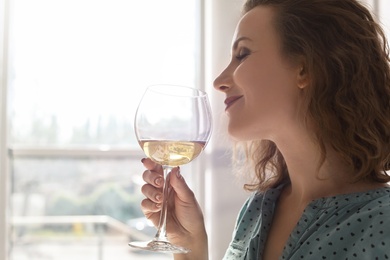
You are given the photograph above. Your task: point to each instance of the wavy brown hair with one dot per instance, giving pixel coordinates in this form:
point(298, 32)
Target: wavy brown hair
point(346, 56)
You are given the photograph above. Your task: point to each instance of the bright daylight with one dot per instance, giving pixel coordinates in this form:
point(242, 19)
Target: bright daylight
point(76, 72)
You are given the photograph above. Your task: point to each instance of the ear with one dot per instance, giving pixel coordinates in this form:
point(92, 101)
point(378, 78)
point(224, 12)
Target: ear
point(302, 77)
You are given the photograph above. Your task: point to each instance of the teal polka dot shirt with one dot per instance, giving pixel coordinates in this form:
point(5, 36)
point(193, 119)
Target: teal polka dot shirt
point(350, 226)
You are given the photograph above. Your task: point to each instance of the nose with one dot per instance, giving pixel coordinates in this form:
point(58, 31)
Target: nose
point(224, 81)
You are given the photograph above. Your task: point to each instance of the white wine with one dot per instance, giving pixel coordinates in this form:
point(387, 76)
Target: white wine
point(172, 153)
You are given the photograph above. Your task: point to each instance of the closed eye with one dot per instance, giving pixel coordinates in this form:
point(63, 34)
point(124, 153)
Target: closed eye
point(242, 54)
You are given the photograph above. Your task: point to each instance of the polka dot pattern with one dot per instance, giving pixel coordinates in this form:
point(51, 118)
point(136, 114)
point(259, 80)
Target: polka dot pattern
point(350, 226)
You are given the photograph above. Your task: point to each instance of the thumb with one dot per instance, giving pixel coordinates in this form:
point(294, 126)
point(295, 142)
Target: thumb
point(177, 182)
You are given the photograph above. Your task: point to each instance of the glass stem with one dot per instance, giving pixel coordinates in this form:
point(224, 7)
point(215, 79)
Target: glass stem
point(161, 234)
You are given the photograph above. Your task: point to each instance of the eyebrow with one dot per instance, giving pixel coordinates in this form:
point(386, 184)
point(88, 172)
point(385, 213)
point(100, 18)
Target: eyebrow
point(236, 42)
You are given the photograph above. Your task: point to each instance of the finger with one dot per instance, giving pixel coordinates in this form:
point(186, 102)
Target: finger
point(152, 166)
point(151, 211)
point(149, 207)
point(152, 193)
point(177, 182)
point(153, 178)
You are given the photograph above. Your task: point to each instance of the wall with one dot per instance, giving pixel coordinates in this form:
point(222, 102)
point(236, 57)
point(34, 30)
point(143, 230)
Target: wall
point(223, 192)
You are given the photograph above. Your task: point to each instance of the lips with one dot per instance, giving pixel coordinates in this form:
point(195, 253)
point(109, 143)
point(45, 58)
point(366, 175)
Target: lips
point(231, 100)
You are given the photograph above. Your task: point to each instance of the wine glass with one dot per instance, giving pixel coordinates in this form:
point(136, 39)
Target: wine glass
point(173, 126)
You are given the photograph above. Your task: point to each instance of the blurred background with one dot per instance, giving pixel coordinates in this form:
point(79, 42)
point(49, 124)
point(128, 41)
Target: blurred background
point(72, 73)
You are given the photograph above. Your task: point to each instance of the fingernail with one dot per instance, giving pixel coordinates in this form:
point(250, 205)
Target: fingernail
point(158, 197)
point(143, 159)
point(158, 205)
point(178, 175)
point(158, 181)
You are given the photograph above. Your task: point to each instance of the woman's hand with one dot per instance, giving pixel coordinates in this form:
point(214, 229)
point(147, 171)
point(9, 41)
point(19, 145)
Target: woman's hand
point(185, 224)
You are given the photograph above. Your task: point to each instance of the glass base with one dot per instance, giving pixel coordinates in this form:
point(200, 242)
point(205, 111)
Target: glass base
point(159, 246)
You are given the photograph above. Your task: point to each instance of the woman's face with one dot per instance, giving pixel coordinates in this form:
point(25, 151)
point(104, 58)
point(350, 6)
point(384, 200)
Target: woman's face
point(261, 86)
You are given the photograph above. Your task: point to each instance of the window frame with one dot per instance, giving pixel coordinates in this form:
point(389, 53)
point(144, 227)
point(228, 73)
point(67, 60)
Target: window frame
point(4, 179)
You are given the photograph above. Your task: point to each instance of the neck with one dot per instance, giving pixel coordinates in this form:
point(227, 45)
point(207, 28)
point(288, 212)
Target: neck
point(311, 180)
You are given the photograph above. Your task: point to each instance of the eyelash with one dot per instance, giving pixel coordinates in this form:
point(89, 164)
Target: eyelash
point(242, 54)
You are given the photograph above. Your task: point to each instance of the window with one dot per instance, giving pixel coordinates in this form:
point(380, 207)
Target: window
point(76, 70)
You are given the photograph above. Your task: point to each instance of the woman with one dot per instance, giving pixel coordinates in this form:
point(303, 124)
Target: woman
point(308, 94)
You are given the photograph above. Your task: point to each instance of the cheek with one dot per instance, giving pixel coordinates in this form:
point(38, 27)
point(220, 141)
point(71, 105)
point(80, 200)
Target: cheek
point(261, 82)
point(247, 74)
point(271, 96)
point(253, 117)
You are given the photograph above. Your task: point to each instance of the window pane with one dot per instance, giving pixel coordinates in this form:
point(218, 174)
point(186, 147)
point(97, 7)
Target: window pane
point(79, 67)
point(54, 201)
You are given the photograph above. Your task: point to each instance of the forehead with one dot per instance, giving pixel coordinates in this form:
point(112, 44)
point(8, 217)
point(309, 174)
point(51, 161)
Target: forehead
point(257, 24)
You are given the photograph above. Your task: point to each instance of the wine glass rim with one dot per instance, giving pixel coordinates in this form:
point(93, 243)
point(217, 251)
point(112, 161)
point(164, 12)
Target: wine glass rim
point(156, 88)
